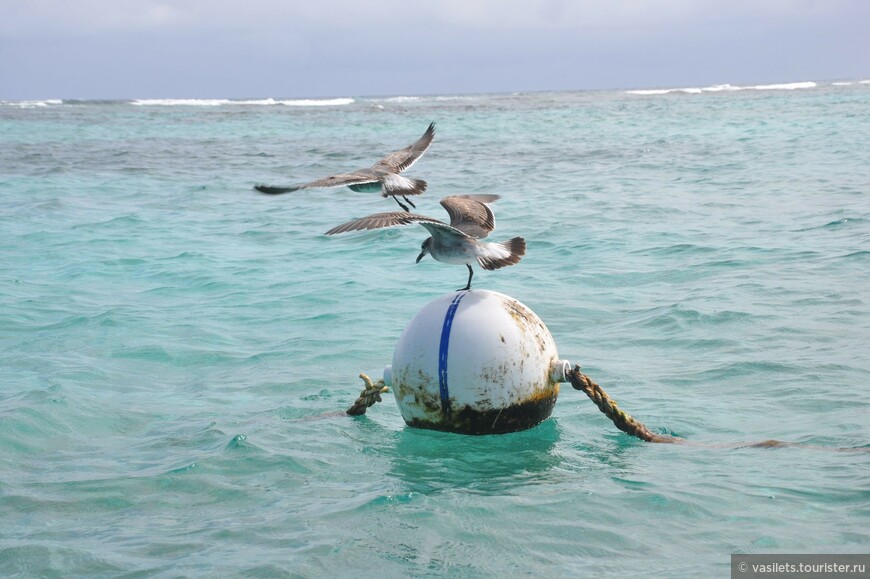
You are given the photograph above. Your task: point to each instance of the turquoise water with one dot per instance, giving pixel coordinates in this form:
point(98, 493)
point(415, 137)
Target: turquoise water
point(174, 346)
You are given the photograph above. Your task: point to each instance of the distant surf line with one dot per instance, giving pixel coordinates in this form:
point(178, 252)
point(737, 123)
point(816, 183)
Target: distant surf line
point(344, 101)
point(324, 102)
point(339, 101)
point(734, 88)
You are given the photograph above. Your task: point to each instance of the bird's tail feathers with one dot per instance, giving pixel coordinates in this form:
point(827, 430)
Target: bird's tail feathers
point(507, 253)
point(395, 184)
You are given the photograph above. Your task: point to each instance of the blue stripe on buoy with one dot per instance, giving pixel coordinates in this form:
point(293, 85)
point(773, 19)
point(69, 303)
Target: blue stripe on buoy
point(442, 353)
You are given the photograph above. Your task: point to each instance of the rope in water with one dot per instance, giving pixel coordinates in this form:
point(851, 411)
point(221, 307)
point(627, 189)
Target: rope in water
point(608, 406)
point(629, 425)
point(370, 394)
point(372, 391)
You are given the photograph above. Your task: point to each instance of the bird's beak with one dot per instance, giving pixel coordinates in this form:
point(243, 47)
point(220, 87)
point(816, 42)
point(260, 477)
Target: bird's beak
point(422, 254)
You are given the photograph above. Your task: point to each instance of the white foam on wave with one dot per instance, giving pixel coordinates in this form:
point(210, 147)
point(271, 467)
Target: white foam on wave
point(651, 91)
point(721, 88)
point(317, 102)
point(179, 102)
point(724, 88)
point(31, 104)
point(402, 99)
point(415, 99)
point(658, 91)
point(251, 102)
point(460, 97)
point(784, 86)
point(684, 90)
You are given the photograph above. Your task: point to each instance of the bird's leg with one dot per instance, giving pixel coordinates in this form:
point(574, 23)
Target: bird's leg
point(409, 202)
point(402, 205)
point(470, 274)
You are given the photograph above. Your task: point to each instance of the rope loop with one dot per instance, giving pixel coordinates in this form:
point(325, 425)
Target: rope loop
point(370, 394)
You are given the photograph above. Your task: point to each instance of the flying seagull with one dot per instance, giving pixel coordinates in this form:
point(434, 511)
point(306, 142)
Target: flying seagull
point(384, 176)
point(471, 219)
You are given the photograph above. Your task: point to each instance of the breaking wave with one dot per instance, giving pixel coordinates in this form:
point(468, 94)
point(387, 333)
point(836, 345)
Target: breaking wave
point(265, 102)
point(725, 88)
point(31, 104)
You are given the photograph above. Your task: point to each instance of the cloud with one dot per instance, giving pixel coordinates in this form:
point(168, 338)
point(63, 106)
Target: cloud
point(141, 48)
point(84, 17)
point(51, 17)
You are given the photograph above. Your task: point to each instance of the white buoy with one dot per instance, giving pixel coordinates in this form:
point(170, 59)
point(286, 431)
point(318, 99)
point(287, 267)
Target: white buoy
point(475, 362)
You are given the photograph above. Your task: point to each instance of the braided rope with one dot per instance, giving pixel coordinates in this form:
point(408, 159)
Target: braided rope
point(608, 406)
point(372, 391)
point(369, 395)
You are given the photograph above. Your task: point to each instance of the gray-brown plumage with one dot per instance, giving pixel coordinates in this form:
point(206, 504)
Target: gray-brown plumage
point(384, 176)
point(471, 219)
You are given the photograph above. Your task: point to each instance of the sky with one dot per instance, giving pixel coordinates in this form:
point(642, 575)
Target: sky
point(115, 49)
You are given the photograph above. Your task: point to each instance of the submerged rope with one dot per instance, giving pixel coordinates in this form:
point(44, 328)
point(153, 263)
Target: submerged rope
point(369, 395)
point(629, 425)
point(372, 391)
point(608, 406)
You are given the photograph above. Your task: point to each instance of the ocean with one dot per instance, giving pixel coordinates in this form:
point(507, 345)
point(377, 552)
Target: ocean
point(177, 350)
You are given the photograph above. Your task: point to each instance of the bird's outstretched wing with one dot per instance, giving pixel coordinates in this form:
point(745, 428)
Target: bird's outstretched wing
point(471, 214)
point(442, 230)
point(270, 190)
point(400, 160)
point(381, 220)
point(361, 177)
point(383, 174)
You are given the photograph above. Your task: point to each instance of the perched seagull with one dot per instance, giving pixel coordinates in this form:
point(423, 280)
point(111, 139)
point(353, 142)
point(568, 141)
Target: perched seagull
point(471, 219)
point(383, 176)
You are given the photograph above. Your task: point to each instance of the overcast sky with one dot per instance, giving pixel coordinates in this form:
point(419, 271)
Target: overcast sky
point(336, 48)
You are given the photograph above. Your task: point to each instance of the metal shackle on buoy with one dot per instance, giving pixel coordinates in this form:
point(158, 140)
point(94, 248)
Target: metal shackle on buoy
point(475, 362)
